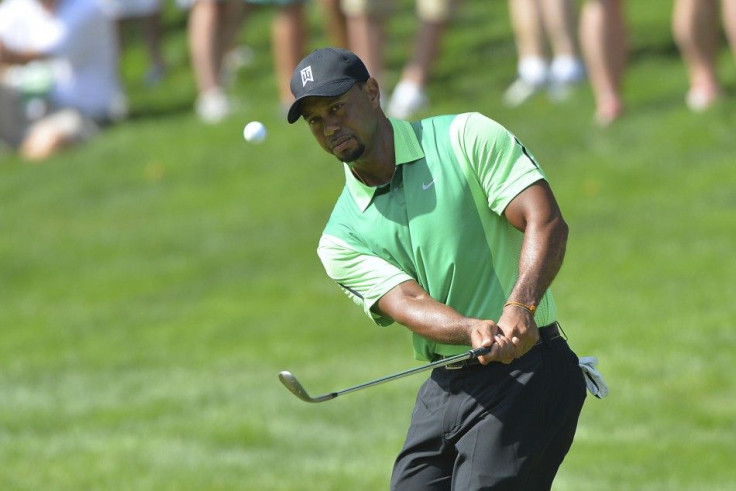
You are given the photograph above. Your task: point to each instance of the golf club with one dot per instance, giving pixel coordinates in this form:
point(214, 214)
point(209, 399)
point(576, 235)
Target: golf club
point(296, 388)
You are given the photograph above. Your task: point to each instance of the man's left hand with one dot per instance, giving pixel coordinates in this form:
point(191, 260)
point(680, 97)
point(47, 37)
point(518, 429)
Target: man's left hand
point(519, 326)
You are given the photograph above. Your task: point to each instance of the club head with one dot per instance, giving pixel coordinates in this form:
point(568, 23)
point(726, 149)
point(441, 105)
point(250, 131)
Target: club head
point(296, 388)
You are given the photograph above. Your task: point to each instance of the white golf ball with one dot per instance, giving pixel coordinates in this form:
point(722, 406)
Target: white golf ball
point(254, 132)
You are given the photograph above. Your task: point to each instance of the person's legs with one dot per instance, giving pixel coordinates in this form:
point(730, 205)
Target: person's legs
point(53, 133)
point(524, 425)
point(232, 55)
point(526, 22)
point(425, 463)
point(204, 23)
point(505, 427)
point(202, 38)
point(694, 25)
point(212, 27)
point(408, 96)
point(559, 19)
point(152, 34)
point(532, 68)
point(566, 68)
point(289, 38)
point(366, 36)
point(603, 41)
point(728, 13)
point(334, 23)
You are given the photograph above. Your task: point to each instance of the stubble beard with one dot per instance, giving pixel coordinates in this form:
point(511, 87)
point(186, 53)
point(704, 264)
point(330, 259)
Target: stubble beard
point(352, 155)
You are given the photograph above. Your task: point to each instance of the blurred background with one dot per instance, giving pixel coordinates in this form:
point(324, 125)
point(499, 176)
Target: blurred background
point(157, 271)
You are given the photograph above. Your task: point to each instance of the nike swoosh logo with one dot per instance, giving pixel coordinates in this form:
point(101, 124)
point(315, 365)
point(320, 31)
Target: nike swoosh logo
point(428, 185)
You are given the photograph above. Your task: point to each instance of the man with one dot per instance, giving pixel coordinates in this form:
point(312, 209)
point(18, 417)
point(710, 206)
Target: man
point(449, 227)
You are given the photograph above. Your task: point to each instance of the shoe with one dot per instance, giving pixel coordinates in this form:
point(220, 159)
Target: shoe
point(565, 73)
point(212, 106)
point(608, 112)
point(699, 100)
point(519, 92)
point(407, 99)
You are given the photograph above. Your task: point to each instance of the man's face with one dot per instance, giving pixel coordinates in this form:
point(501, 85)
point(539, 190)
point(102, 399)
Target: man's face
point(346, 124)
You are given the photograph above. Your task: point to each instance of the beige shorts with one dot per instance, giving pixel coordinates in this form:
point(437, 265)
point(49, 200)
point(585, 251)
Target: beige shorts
point(427, 10)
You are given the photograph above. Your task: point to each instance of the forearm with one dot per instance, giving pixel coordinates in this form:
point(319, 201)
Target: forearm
point(542, 253)
point(411, 306)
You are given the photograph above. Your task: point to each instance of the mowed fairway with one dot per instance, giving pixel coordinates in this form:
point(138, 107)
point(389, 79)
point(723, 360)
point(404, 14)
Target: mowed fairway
point(154, 283)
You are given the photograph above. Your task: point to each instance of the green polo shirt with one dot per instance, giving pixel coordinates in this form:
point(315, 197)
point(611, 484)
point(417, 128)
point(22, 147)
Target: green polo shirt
point(439, 221)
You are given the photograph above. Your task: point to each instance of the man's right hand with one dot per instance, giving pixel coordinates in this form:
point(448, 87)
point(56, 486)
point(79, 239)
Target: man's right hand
point(487, 333)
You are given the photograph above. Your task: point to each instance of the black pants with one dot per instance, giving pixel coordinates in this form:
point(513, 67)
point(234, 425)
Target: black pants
point(499, 427)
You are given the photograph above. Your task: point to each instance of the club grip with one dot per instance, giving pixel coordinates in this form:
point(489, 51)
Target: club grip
point(475, 353)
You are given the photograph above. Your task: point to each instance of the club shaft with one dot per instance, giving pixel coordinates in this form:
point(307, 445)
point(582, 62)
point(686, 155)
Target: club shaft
point(429, 366)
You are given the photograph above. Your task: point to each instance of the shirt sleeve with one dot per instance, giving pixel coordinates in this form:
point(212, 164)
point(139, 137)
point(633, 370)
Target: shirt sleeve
point(364, 277)
point(503, 165)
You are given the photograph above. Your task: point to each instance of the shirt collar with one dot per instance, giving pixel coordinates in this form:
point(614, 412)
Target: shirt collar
point(406, 150)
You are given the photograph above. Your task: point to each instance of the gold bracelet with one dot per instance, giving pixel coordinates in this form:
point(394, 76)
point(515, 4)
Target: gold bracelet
point(529, 308)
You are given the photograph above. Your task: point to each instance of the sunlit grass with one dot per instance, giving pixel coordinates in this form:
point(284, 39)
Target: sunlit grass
point(155, 281)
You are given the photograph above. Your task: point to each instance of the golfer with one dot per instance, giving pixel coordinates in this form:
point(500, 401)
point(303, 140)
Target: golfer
point(449, 227)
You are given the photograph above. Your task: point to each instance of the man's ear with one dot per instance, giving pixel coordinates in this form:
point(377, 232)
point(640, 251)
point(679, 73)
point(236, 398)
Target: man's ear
point(373, 91)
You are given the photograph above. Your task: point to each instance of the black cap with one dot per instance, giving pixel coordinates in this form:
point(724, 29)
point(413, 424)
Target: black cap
point(326, 72)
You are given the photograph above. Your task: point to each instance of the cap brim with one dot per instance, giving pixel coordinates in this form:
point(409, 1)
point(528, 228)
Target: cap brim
point(332, 89)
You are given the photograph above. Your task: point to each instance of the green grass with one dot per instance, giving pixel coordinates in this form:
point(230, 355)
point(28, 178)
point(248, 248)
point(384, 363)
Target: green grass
point(155, 281)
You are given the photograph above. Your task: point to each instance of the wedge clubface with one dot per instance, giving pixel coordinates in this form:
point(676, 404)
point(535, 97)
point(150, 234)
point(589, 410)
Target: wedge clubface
point(296, 388)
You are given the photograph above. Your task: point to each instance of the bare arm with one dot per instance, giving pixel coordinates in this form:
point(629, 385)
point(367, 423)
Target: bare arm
point(410, 305)
point(536, 213)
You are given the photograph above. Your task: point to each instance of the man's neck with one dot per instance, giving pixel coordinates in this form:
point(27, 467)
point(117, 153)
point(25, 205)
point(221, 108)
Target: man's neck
point(377, 166)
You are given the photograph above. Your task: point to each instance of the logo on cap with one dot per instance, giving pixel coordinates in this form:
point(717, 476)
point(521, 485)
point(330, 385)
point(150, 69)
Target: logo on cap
point(307, 75)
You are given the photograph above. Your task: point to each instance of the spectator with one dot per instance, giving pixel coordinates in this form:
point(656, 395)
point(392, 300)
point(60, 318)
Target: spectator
point(211, 31)
point(409, 95)
point(57, 88)
point(544, 29)
point(213, 28)
point(146, 14)
point(334, 22)
point(367, 39)
point(604, 45)
point(366, 34)
point(695, 28)
point(288, 40)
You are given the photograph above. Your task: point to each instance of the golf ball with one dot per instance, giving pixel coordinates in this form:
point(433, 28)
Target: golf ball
point(254, 132)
